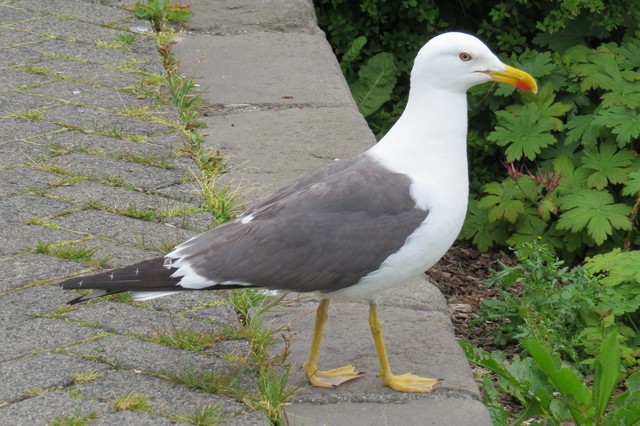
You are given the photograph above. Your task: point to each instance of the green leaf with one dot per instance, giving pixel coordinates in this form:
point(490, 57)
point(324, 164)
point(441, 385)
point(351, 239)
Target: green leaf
point(607, 164)
point(524, 134)
point(626, 406)
point(568, 382)
point(622, 121)
point(581, 129)
point(632, 186)
point(607, 371)
point(377, 79)
point(594, 211)
point(480, 230)
point(352, 53)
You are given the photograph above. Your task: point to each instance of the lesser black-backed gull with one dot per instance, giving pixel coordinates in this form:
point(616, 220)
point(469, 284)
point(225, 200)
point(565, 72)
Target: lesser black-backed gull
point(354, 229)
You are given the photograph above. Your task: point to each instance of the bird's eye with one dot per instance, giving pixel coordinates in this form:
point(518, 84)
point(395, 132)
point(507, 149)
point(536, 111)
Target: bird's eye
point(464, 56)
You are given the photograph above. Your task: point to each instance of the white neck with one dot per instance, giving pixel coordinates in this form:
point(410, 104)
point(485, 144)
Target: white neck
point(429, 144)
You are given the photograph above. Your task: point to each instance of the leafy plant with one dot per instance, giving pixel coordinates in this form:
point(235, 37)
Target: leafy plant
point(376, 78)
point(550, 305)
point(549, 389)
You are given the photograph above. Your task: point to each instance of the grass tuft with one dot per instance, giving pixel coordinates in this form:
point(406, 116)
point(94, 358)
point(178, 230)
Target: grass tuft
point(132, 402)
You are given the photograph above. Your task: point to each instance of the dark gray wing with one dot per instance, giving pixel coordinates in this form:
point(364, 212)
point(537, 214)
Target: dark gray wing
point(323, 233)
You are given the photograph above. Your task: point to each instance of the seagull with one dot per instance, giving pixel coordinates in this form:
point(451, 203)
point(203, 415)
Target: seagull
point(354, 229)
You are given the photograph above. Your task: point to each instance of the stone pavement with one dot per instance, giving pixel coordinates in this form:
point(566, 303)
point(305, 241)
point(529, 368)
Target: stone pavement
point(91, 174)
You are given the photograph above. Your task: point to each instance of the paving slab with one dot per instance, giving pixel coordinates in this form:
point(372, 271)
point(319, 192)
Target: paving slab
point(18, 239)
point(127, 319)
point(44, 409)
point(123, 229)
point(433, 412)
point(103, 122)
point(91, 96)
point(23, 305)
point(166, 398)
point(251, 74)
point(233, 16)
point(22, 338)
point(15, 103)
point(22, 270)
point(13, 79)
point(12, 129)
point(21, 179)
point(16, 210)
point(97, 13)
point(44, 371)
point(136, 354)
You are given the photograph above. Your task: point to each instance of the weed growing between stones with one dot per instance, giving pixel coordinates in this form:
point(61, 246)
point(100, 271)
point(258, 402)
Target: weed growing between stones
point(74, 420)
point(132, 402)
point(209, 415)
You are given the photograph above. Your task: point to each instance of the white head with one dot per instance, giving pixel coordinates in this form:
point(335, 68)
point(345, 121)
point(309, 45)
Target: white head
point(457, 61)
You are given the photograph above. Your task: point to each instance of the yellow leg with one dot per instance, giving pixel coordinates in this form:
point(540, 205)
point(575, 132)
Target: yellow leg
point(329, 378)
point(405, 382)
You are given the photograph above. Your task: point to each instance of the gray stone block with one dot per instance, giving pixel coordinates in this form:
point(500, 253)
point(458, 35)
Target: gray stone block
point(109, 145)
point(90, 96)
point(16, 152)
point(91, 73)
point(24, 55)
point(123, 318)
point(23, 270)
point(16, 210)
point(44, 371)
point(103, 122)
point(423, 411)
point(44, 409)
point(17, 239)
point(12, 14)
point(139, 175)
point(137, 354)
point(95, 13)
point(136, 418)
point(117, 255)
point(22, 338)
point(115, 197)
point(59, 49)
point(14, 38)
point(13, 103)
point(233, 17)
point(13, 79)
point(15, 128)
point(21, 179)
point(21, 305)
point(125, 230)
point(166, 398)
point(265, 68)
point(69, 30)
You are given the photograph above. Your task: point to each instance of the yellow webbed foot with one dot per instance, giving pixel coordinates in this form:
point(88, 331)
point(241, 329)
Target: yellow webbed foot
point(332, 378)
point(411, 383)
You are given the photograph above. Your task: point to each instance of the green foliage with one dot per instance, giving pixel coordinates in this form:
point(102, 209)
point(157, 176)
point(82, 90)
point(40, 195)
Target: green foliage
point(376, 78)
point(568, 310)
point(555, 391)
point(577, 139)
point(550, 307)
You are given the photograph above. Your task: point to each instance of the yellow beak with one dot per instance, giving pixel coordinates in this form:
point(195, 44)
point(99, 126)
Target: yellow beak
point(515, 77)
